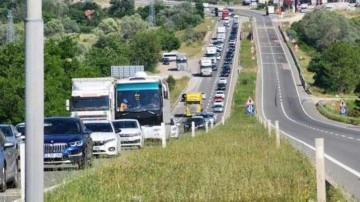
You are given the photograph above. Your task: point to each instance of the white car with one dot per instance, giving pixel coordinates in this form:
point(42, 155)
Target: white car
point(105, 138)
point(220, 94)
point(222, 80)
point(131, 133)
point(219, 102)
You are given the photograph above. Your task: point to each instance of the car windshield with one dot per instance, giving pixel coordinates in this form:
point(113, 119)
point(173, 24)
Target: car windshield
point(21, 129)
point(6, 130)
point(60, 127)
point(125, 124)
point(196, 121)
point(99, 127)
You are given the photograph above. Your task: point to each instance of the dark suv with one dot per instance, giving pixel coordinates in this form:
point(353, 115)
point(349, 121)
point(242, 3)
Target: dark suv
point(67, 141)
point(199, 122)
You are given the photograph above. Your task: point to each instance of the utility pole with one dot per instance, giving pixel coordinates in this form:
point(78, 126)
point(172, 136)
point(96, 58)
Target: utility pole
point(10, 31)
point(151, 17)
point(34, 102)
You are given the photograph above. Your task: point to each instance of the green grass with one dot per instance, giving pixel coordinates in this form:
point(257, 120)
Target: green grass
point(330, 110)
point(237, 161)
point(179, 87)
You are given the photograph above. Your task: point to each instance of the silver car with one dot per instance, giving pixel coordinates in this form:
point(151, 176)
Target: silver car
point(9, 156)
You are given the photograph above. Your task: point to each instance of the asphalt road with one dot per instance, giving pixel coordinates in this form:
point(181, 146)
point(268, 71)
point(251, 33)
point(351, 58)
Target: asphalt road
point(283, 99)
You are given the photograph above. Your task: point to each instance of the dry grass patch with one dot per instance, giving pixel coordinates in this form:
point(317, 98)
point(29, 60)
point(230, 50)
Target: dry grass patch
point(179, 87)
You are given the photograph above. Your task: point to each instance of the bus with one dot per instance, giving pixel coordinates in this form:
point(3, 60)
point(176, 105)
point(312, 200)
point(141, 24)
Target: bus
point(147, 99)
point(171, 56)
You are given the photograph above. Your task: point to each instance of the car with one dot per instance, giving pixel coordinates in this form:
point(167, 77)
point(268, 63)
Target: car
point(219, 102)
point(165, 61)
point(21, 129)
point(131, 133)
point(203, 95)
point(106, 139)
point(224, 74)
point(221, 86)
point(9, 163)
point(208, 116)
point(218, 56)
point(218, 108)
point(67, 142)
point(199, 121)
point(220, 94)
point(222, 80)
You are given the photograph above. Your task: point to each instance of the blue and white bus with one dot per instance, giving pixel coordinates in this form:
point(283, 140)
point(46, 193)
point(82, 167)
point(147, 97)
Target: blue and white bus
point(147, 99)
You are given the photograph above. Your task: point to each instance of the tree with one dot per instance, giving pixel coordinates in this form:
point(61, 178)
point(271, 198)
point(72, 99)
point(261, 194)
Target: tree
point(200, 8)
point(107, 51)
point(322, 28)
point(171, 82)
point(130, 25)
point(145, 50)
point(54, 27)
point(108, 25)
point(70, 26)
point(168, 40)
point(120, 8)
point(338, 69)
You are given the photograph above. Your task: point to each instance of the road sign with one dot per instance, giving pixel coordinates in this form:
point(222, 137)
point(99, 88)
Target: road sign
point(250, 109)
point(343, 110)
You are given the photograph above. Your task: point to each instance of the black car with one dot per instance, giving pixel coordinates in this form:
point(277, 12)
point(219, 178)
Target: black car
point(199, 121)
point(165, 61)
point(221, 86)
point(67, 142)
point(224, 74)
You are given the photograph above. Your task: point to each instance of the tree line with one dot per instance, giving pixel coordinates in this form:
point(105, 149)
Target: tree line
point(336, 59)
point(124, 37)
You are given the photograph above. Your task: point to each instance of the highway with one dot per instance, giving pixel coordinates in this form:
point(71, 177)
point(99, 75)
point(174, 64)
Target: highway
point(283, 98)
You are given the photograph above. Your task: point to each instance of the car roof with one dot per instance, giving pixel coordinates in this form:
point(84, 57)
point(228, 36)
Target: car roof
point(120, 120)
point(62, 118)
point(3, 124)
point(96, 121)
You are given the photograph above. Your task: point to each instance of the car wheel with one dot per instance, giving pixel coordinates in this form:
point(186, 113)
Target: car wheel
point(84, 163)
point(15, 180)
point(3, 180)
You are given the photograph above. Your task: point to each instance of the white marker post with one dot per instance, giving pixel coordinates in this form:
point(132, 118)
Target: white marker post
point(177, 130)
point(269, 127)
point(163, 136)
point(320, 170)
point(223, 120)
point(192, 129)
point(207, 126)
point(211, 123)
point(277, 132)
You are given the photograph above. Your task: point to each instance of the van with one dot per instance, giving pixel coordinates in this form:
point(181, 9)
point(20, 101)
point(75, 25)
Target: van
point(171, 56)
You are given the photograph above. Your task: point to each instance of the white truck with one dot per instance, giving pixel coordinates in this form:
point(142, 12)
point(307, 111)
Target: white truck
point(92, 98)
point(205, 66)
point(211, 53)
point(221, 32)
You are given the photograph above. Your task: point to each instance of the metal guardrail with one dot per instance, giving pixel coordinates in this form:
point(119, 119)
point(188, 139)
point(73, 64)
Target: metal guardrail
point(296, 61)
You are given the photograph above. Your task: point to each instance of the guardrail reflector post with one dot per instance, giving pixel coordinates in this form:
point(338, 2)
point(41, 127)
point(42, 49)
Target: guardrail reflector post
point(320, 170)
point(163, 132)
point(192, 129)
point(269, 127)
point(277, 132)
point(207, 127)
point(212, 123)
point(223, 120)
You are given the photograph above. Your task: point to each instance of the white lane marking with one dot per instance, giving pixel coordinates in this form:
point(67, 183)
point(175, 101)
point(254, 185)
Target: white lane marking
point(340, 164)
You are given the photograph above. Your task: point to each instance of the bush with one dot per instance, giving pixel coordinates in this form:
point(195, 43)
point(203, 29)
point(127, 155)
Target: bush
point(171, 82)
point(192, 35)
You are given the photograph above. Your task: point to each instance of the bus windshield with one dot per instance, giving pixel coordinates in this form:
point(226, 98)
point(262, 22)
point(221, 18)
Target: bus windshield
point(89, 103)
point(135, 97)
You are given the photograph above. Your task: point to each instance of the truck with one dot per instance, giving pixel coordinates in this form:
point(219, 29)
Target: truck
point(181, 63)
point(205, 66)
point(211, 53)
point(193, 103)
point(147, 99)
point(92, 98)
point(225, 14)
point(221, 32)
point(270, 10)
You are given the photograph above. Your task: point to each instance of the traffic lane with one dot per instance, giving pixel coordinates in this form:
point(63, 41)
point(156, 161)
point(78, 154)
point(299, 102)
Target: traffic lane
point(291, 101)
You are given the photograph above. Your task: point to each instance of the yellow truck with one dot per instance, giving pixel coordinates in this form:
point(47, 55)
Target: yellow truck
point(193, 103)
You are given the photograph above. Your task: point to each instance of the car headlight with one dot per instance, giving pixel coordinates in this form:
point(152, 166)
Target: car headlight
point(77, 143)
point(109, 140)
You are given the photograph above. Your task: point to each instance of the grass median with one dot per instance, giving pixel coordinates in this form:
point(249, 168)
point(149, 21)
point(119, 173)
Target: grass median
point(233, 162)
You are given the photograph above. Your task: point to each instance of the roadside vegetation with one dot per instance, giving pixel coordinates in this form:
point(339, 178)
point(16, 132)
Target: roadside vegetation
point(233, 162)
point(180, 85)
point(84, 39)
point(329, 49)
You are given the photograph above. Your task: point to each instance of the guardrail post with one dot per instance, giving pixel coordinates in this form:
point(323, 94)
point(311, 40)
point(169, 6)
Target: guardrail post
point(211, 123)
point(269, 127)
point(192, 129)
point(163, 137)
point(277, 132)
point(22, 170)
point(223, 120)
point(320, 170)
point(265, 124)
point(177, 131)
point(207, 126)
